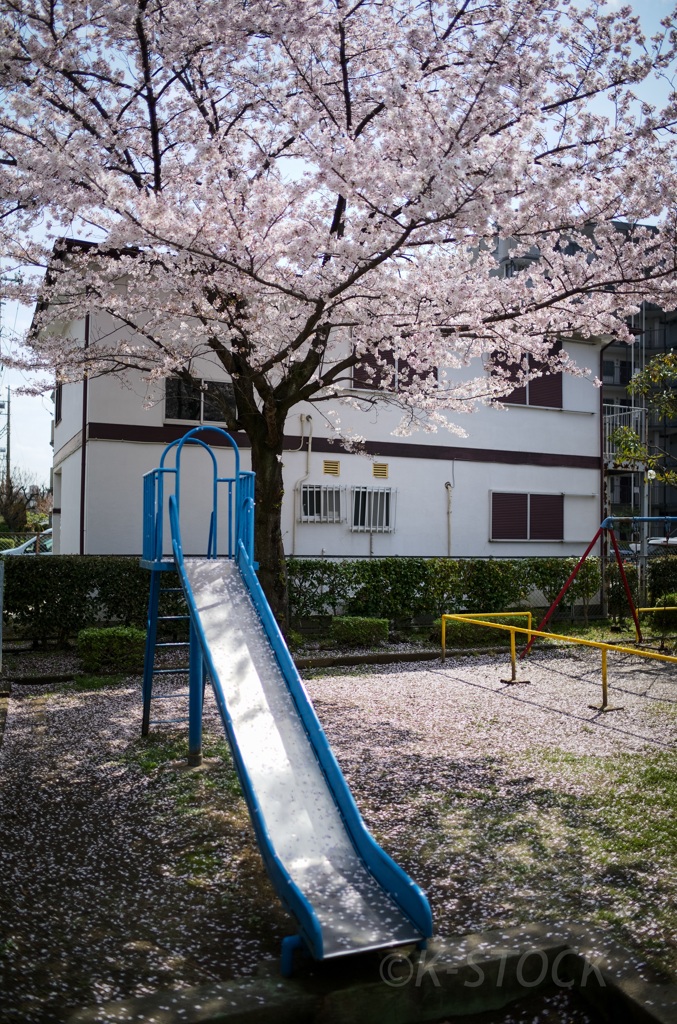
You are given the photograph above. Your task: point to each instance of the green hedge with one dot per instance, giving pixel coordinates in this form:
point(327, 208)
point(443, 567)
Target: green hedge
point(401, 588)
point(615, 588)
point(119, 648)
point(54, 597)
point(465, 634)
point(355, 631)
point(665, 620)
point(661, 577)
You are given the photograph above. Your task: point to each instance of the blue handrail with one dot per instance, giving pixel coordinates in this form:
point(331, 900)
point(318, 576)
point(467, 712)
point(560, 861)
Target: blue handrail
point(392, 877)
point(240, 487)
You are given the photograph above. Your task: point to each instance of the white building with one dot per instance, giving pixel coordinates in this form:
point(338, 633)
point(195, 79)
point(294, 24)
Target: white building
point(526, 479)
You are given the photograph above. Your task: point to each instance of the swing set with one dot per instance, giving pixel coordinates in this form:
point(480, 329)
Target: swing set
point(606, 527)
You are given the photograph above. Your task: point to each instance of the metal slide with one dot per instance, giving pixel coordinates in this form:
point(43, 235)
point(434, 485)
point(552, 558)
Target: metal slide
point(347, 895)
point(296, 806)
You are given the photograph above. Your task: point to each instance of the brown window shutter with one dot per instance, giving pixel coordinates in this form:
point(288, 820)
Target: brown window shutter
point(546, 390)
point(546, 517)
point(519, 395)
point(406, 374)
point(370, 373)
point(509, 516)
point(516, 397)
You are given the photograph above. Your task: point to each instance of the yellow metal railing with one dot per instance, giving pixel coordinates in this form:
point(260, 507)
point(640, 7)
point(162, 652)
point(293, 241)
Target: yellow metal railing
point(481, 620)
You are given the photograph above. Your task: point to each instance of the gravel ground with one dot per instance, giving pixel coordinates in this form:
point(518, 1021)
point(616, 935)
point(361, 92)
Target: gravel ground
point(119, 879)
point(465, 708)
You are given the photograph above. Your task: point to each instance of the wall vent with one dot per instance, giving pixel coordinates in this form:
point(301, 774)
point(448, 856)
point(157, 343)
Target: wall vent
point(331, 467)
point(380, 470)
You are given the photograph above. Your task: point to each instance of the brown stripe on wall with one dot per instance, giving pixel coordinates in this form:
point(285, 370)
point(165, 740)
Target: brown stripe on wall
point(393, 449)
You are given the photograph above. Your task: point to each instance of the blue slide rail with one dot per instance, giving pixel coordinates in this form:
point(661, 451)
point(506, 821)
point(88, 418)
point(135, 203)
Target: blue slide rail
point(239, 500)
point(240, 547)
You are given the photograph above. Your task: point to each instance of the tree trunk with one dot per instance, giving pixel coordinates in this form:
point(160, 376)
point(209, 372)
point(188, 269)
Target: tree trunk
point(268, 547)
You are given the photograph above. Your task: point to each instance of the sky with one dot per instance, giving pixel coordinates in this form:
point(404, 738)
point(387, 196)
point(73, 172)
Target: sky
point(31, 417)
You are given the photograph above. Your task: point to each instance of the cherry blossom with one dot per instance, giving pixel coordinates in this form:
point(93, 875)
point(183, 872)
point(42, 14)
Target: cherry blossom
point(288, 188)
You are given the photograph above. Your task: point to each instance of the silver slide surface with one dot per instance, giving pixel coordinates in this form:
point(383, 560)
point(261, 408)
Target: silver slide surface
point(298, 809)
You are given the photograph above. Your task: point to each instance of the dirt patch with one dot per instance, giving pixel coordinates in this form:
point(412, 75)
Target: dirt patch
point(122, 871)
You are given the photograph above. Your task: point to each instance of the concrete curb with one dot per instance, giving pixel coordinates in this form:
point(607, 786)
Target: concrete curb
point(383, 658)
point(392, 657)
point(59, 677)
point(464, 976)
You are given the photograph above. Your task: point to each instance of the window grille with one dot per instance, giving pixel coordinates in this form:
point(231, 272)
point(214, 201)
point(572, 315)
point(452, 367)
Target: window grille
point(320, 504)
point(373, 510)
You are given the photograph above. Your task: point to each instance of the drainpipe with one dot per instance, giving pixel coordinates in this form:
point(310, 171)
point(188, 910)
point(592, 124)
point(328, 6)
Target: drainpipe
point(603, 479)
point(83, 451)
point(449, 489)
point(297, 486)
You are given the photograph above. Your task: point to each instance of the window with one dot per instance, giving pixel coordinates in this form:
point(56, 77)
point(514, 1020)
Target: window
point(182, 400)
point(207, 401)
point(58, 403)
point(516, 516)
point(545, 391)
point(320, 504)
point(373, 510)
point(218, 400)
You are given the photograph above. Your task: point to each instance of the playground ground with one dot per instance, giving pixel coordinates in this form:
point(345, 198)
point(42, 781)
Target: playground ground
point(123, 872)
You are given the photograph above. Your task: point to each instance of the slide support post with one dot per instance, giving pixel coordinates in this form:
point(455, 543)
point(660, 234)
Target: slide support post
point(195, 698)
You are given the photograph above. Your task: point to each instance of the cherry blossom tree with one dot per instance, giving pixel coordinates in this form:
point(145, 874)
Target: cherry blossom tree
point(294, 188)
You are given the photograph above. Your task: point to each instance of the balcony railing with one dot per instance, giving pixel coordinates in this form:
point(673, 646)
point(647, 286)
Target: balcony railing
point(614, 418)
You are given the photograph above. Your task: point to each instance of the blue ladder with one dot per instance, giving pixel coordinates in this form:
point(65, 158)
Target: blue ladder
point(238, 489)
point(154, 646)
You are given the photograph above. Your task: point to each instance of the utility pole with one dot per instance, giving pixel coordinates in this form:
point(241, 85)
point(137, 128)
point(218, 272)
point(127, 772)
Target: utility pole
point(7, 452)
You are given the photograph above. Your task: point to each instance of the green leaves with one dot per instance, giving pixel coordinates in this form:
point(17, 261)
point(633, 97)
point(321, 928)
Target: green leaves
point(656, 383)
point(401, 588)
point(117, 647)
point(53, 598)
point(354, 631)
point(662, 578)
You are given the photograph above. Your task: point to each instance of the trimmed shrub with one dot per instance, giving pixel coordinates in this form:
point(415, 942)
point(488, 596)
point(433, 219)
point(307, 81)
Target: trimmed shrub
point(53, 597)
point(493, 585)
point(294, 640)
point(466, 635)
point(550, 574)
point(319, 587)
point(664, 619)
point(445, 588)
point(402, 588)
point(356, 631)
point(661, 577)
point(389, 588)
point(616, 596)
point(120, 648)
